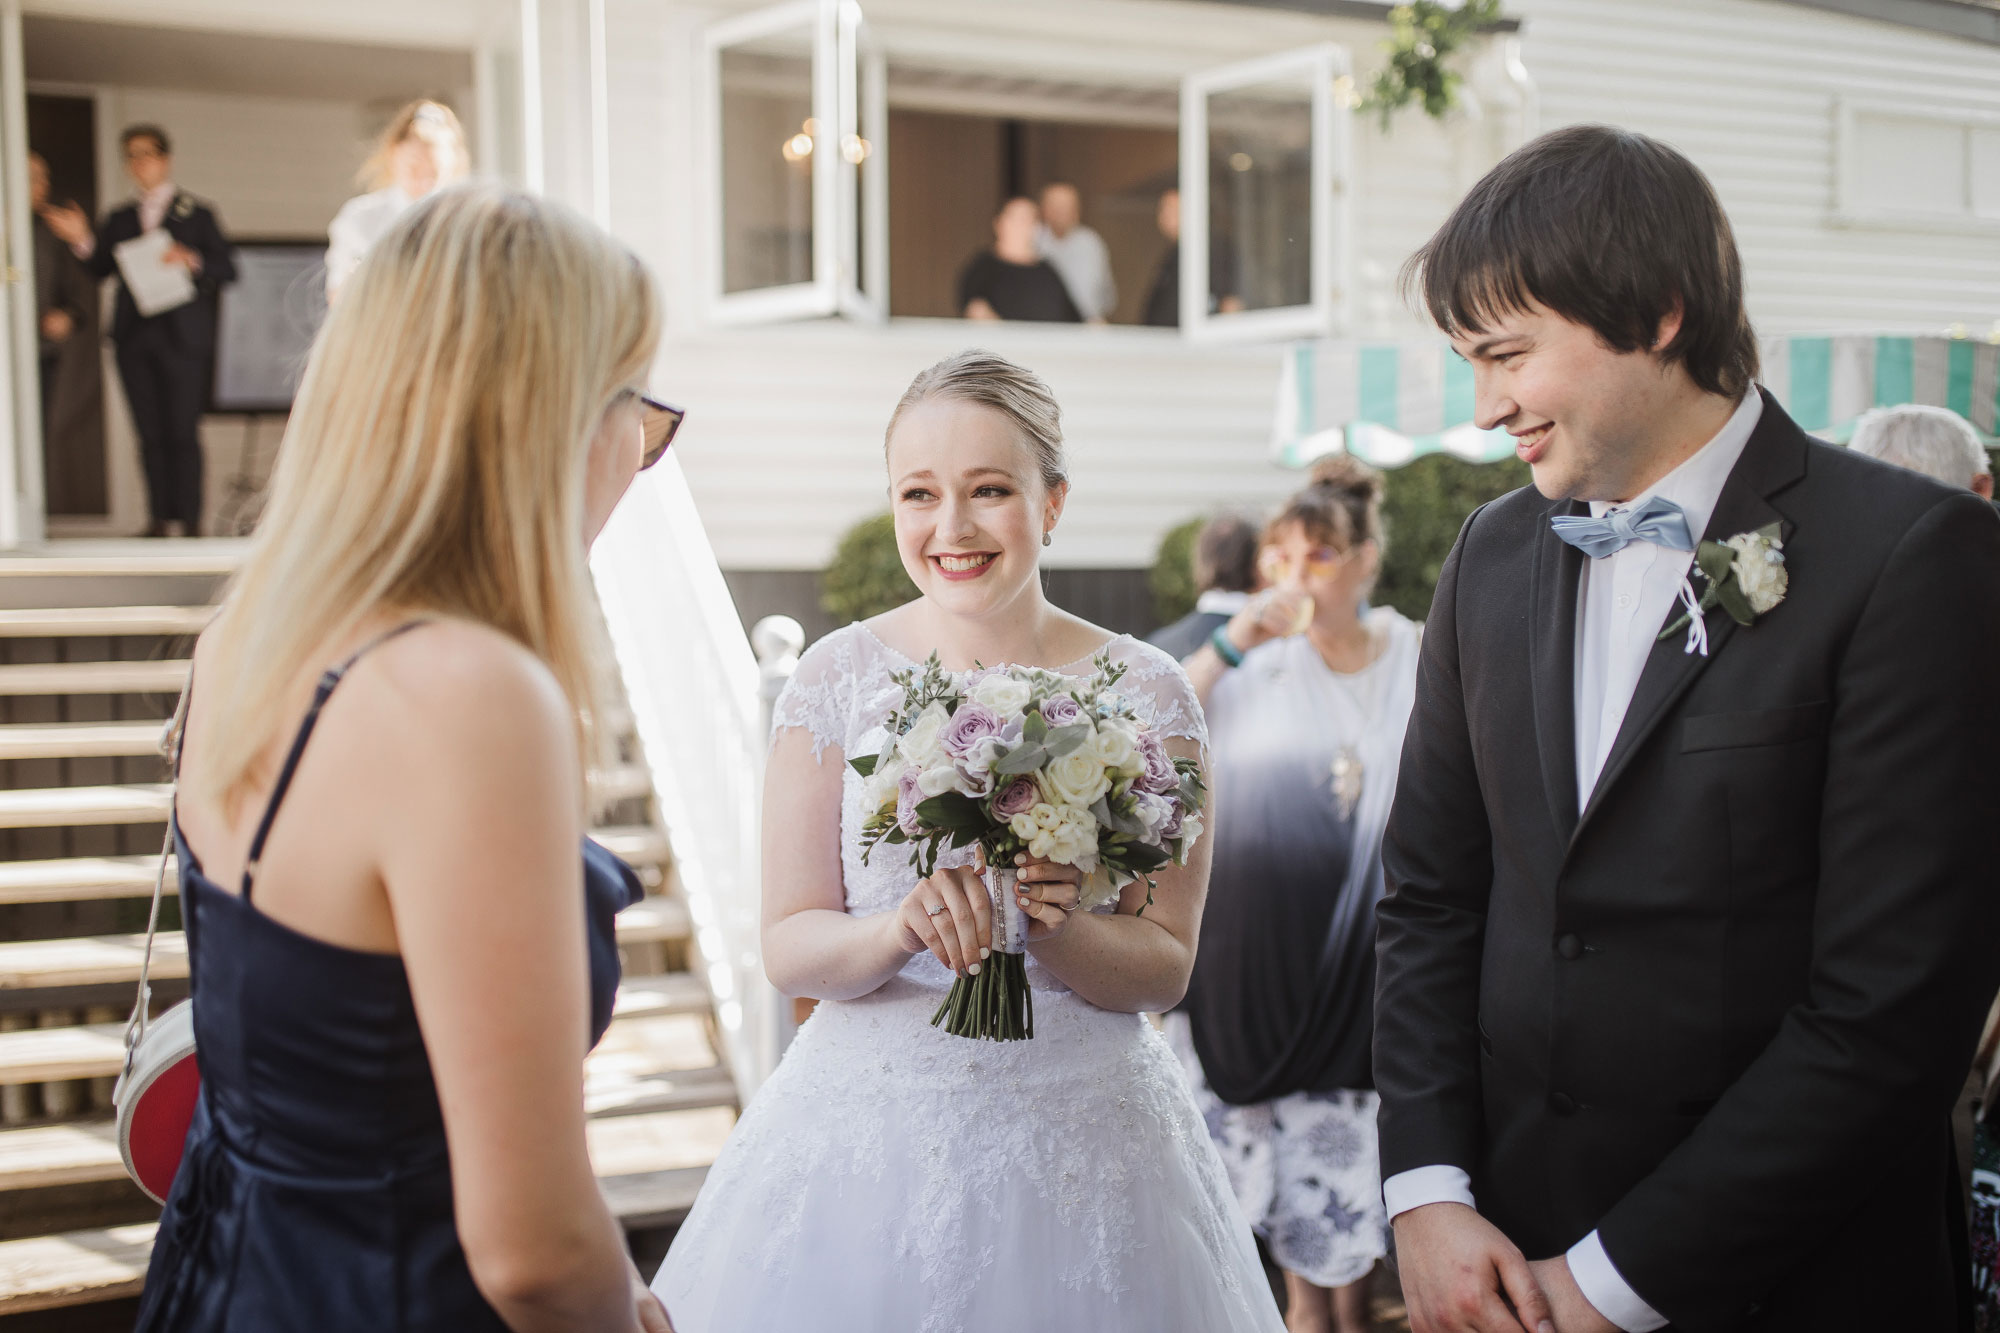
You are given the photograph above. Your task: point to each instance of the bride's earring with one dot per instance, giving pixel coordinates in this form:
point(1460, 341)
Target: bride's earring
point(1048, 539)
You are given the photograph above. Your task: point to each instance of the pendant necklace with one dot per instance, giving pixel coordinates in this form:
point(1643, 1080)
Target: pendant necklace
point(1347, 772)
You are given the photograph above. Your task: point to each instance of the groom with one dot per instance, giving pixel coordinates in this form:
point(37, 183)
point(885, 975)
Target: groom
point(1689, 933)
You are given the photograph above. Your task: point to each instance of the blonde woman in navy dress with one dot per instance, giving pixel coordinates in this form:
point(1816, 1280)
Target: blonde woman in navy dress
point(401, 945)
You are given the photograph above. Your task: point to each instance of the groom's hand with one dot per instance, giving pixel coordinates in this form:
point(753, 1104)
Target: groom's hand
point(1461, 1275)
point(1572, 1309)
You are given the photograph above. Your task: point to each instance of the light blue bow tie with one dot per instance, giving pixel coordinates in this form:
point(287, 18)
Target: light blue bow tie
point(1659, 521)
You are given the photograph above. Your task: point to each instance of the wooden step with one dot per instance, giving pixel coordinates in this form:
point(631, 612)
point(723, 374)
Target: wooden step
point(80, 879)
point(160, 677)
point(649, 1167)
point(664, 993)
point(622, 782)
point(44, 1156)
point(637, 844)
point(80, 740)
point(133, 558)
point(90, 878)
point(43, 807)
point(104, 621)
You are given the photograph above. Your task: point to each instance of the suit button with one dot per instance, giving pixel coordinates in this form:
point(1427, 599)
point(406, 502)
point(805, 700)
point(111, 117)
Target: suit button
point(1563, 1104)
point(1570, 947)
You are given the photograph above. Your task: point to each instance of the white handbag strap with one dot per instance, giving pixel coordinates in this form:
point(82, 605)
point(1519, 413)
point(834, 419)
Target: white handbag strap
point(170, 747)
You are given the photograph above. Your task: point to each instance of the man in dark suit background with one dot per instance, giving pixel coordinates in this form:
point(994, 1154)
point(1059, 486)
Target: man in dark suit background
point(1225, 572)
point(1690, 923)
point(163, 359)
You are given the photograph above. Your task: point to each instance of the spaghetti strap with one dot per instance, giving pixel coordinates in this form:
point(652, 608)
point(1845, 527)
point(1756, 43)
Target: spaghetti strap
point(327, 683)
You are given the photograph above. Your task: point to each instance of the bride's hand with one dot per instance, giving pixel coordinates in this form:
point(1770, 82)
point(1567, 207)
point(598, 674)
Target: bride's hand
point(652, 1315)
point(949, 914)
point(1048, 893)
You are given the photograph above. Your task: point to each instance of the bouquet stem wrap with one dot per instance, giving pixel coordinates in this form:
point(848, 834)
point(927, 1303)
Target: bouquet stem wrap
point(995, 1005)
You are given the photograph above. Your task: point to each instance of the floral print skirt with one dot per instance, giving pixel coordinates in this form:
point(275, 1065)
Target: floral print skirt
point(1304, 1167)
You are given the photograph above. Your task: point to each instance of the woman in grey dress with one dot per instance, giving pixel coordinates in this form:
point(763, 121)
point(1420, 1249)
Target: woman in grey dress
point(1307, 691)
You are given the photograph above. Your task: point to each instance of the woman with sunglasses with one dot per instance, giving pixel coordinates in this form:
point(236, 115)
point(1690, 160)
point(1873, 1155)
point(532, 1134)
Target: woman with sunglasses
point(1307, 691)
point(401, 944)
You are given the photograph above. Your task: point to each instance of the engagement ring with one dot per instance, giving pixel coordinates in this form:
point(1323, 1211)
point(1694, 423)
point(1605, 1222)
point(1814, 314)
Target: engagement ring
point(936, 911)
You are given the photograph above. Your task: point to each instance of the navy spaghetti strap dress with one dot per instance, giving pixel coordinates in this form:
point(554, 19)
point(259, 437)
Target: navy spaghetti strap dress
point(315, 1192)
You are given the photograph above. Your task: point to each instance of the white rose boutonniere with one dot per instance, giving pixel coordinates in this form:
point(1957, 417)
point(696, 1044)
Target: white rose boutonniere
point(1746, 577)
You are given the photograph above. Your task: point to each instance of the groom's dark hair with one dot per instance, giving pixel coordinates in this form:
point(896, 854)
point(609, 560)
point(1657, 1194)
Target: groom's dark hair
point(1608, 229)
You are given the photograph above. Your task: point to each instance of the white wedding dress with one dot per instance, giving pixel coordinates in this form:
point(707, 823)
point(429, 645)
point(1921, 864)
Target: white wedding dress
point(890, 1178)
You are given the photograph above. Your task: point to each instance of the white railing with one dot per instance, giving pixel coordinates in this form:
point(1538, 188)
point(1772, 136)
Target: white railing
point(695, 695)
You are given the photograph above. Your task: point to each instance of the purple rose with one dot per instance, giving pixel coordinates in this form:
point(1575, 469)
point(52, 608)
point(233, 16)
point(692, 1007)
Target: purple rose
point(1160, 776)
point(908, 796)
point(1016, 798)
point(971, 724)
point(1170, 828)
point(975, 766)
point(1059, 710)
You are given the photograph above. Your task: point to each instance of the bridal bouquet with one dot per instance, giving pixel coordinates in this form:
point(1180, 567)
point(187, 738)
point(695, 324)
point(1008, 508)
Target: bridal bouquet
point(1014, 760)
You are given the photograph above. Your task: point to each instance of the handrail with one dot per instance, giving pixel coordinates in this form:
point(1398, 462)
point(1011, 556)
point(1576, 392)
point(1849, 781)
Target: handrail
point(694, 691)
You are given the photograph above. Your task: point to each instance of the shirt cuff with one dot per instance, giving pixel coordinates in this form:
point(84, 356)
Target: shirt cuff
point(1608, 1293)
point(1425, 1185)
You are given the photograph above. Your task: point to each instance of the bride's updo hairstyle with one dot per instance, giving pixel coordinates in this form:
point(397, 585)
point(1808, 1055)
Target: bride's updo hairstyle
point(975, 376)
point(1341, 505)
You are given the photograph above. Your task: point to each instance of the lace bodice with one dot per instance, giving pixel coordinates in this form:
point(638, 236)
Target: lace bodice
point(841, 693)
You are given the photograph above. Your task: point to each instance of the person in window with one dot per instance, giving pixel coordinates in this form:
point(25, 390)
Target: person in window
point(1163, 303)
point(163, 358)
point(1012, 281)
point(1077, 252)
point(422, 149)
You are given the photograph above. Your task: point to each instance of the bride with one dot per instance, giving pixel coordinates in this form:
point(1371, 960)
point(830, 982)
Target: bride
point(890, 1176)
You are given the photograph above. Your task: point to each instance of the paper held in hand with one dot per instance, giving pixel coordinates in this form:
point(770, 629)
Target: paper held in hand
point(156, 285)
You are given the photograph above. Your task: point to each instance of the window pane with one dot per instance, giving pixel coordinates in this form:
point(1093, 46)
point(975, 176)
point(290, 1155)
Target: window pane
point(1909, 164)
point(769, 137)
point(1260, 196)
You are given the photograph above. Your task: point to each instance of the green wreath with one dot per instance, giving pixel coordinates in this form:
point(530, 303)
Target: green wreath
point(1426, 34)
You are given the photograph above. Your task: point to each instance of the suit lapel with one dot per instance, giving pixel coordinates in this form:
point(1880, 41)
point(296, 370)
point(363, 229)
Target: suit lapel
point(1557, 575)
point(1773, 458)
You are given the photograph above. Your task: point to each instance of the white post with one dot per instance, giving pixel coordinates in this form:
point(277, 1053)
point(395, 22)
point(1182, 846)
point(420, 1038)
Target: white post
point(777, 641)
point(21, 518)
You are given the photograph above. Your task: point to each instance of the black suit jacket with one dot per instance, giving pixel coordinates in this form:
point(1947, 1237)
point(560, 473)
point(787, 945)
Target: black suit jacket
point(1722, 1016)
point(1187, 636)
point(188, 329)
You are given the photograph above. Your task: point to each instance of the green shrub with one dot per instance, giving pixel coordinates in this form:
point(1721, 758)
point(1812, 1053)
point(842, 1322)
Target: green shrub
point(1172, 578)
point(1423, 507)
point(866, 577)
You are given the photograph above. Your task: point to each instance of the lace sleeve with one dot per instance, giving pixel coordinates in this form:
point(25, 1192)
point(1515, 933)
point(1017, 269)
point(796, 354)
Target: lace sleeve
point(819, 696)
point(1162, 694)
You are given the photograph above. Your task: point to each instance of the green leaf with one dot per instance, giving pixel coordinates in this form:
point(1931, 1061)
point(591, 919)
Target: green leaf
point(1035, 728)
point(1063, 740)
point(865, 765)
point(1137, 856)
point(953, 811)
point(1715, 560)
point(1115, 821)
point(1024, 758)
point(1730, 595)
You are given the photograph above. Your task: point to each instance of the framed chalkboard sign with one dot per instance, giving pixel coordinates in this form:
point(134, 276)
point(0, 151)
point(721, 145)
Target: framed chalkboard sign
point(266, 323)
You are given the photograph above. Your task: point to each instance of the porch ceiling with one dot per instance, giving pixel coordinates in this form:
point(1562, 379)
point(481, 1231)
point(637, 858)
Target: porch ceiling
point(81, 51)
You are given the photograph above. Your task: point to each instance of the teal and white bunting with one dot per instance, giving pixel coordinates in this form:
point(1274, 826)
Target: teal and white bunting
point(1389, 403)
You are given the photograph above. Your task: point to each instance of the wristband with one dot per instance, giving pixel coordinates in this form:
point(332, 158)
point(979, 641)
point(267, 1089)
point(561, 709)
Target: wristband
point(1224, 649)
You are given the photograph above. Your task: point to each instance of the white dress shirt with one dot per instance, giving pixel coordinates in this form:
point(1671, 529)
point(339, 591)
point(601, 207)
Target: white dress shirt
point(1083, 263)
point(1622, 603)
point(356, 227)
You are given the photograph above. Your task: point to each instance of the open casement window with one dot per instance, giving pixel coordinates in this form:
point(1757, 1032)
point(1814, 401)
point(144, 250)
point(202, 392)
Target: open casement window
point(797, 121)
point(1264, 197)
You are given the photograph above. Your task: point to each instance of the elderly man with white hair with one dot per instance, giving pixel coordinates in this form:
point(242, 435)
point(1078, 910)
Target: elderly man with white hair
point(1935, 441)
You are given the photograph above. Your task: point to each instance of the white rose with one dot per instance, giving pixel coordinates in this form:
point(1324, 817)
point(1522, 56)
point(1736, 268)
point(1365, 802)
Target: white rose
point(879, 790)
point(1003, 694)
point(938, 780)
point(1760, 570)
point(1099, 888)
point(1046, 816)
point(1117, 747)
point(923, 743)
point(1077, 779)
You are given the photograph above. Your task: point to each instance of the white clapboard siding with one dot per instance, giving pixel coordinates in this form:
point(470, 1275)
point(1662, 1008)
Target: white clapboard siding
point(1158, 431)
point(1747, 88)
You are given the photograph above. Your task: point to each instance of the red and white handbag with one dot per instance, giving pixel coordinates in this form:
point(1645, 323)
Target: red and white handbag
point(156, 1092)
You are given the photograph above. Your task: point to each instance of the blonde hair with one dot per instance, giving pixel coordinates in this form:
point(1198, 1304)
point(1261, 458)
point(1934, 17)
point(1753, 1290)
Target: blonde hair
point(975, 376)
point(436, 126)
point(436, 454)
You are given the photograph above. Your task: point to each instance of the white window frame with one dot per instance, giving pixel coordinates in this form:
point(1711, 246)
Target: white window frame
point(1848, 211)
point(1329, 68)
point(849, 82)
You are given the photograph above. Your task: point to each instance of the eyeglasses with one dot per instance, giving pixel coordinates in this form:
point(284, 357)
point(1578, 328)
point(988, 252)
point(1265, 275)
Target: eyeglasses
point(662, 422)
point(1319, 561)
